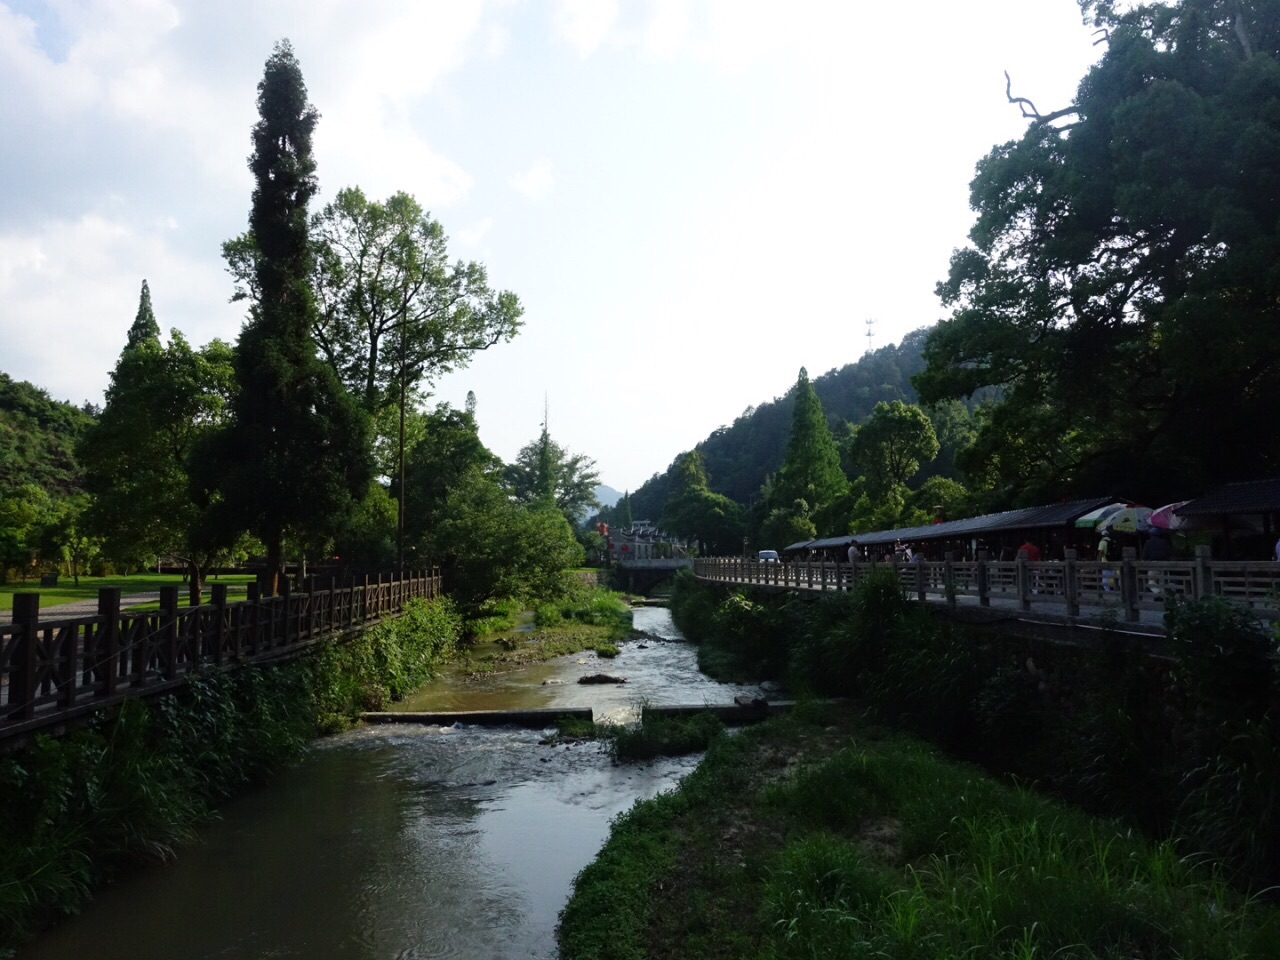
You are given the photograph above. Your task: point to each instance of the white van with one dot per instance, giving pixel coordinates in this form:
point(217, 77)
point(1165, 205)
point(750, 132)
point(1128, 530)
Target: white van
point(768, 556)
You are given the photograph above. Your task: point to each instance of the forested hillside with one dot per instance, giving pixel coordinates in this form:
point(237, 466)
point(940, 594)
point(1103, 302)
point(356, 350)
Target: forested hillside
point(38, 468)
point(739, 457)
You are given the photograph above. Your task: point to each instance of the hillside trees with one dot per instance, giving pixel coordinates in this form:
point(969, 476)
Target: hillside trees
point(1121, 289)
point(161, 403)
point(695, 513)
point(295, 458)
point(38, 468)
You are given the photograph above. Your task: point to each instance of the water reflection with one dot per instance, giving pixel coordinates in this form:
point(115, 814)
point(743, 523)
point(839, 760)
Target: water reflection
point(394, 841)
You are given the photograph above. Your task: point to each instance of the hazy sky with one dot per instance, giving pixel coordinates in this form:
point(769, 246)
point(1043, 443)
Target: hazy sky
point(692, 198)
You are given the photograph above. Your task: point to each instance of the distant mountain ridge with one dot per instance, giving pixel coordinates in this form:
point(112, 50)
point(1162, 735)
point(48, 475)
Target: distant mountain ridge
point(607, 496)
point(739, 457)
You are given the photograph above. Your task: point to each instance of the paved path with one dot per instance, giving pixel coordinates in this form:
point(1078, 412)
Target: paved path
point(83, 608)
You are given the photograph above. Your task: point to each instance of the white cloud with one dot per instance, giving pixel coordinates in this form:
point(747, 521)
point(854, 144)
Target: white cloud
point(470, 236)
point(534, 183)
point(667, 31)
point(584, 24)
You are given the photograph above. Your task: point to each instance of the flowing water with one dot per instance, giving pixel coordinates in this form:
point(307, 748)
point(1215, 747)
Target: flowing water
point(398, 842)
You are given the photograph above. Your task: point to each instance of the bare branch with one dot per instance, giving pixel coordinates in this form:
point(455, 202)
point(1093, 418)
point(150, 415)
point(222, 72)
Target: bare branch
point(1029, 109)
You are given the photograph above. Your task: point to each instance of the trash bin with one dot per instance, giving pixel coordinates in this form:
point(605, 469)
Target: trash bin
point(48, 579)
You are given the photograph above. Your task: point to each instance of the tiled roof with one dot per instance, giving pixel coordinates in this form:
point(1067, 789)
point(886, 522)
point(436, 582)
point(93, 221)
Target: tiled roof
point(1253, 496)
point(1025, 518)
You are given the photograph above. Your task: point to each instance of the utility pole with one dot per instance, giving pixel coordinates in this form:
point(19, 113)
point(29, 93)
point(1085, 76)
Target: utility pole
point(870, 321)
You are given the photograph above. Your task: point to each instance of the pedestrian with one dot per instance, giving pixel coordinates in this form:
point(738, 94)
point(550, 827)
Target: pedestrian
point(1278, 549)
point(1105, 550)
point(853, 552)
point(1157, 546)
point(1031, 550)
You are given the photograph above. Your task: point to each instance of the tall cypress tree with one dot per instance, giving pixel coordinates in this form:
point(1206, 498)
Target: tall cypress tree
point(811, 470)
point(297, 454)
point(144, 329)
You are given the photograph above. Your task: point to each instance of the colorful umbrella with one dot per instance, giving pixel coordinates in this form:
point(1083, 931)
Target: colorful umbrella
point(1094, 517)
point(1128, 520)
point(1165, 518)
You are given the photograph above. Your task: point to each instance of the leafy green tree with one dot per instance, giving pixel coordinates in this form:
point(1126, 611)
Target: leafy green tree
point(448, 451)
point(1120, 289)
point(936, 492)
point(296, 458)
point(492, 547)
point(788, 524)
point(161, 403)
point(811, 470)
point(889, 448)
point(66, 535)
point(546, 472)
point(394, 310)
point(25, 512)
point(693, 512)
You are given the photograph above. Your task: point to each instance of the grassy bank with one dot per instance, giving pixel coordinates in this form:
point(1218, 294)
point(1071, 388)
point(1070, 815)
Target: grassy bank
point(1184, 747)
point(815, 835)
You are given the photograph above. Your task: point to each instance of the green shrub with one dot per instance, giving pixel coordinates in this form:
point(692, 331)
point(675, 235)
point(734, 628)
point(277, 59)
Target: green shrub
point(661, 735)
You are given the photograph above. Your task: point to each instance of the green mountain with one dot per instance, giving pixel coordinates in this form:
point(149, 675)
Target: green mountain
point(739, 457)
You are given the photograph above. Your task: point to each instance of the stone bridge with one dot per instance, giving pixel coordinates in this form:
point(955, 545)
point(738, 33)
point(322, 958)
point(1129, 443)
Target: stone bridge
point(642, 575)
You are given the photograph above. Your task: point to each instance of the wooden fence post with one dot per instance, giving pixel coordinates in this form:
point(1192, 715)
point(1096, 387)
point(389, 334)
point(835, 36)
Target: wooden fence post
point(254, 599)
point(169, 630)
point(1070, 581)
point(22, 676)
point(1203, 576)
point(219, 603)
point(984, 585)
point(1129, 583)
point(107, 660)
point(291, 623)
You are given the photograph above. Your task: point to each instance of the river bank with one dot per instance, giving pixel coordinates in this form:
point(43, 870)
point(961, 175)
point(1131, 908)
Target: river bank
point(398, 839)
point(821, 835)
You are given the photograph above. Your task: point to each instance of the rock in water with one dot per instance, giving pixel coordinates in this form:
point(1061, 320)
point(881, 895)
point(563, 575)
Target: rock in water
point(601, 678)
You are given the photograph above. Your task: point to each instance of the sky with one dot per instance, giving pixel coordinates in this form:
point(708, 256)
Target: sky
point(693, 199)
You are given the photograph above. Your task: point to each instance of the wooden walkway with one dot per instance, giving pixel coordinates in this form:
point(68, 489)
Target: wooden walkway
point(1130, 590)
point(54, 672)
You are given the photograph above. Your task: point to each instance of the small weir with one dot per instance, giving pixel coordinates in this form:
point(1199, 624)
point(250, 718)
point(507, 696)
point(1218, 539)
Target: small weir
point(406, 840)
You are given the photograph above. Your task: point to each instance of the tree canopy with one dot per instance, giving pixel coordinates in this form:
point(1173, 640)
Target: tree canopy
point(1121, 289)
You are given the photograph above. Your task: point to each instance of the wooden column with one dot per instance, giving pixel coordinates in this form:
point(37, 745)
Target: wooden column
point(107, 667)
point(169, 630)
point(1071, 582)
point(22, 676)
point(219, 602)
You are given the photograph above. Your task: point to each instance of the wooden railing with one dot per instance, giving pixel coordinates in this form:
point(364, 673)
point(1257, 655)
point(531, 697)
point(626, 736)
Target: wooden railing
point(53, 671)
point(1129, 585)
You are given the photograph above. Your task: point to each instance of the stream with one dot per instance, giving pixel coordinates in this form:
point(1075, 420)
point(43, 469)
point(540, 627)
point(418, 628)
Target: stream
point(403, 841)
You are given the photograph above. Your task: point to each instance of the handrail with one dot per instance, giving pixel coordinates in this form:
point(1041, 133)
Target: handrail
point(1128, 585)
point(58, 669)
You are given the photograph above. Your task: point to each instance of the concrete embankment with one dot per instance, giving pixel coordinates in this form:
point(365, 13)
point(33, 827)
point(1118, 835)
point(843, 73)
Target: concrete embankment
point(731, 713)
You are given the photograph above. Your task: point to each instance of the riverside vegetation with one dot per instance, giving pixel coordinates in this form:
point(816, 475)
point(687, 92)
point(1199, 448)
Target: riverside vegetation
point(1125, 808)
point(133, 786)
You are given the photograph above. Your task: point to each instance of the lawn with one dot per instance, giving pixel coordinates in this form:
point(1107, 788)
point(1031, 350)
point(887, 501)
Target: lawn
point(66, 591)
